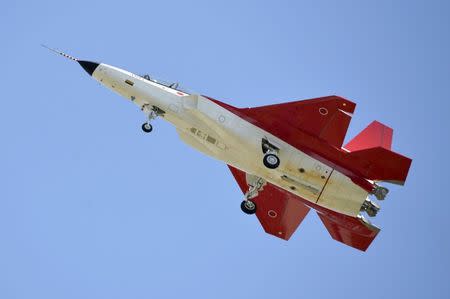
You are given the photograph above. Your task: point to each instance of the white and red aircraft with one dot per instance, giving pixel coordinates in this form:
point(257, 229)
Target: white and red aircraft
point(287, 158)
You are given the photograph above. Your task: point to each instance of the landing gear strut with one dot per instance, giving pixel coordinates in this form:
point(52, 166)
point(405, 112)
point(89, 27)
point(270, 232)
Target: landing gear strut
point(152, 113)
point(255, 184)
point(270, 159)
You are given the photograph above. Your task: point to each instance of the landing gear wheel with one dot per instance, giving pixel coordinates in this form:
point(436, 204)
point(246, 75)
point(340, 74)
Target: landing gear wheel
point(271, 161)
point(147, 128)
point(248, 207)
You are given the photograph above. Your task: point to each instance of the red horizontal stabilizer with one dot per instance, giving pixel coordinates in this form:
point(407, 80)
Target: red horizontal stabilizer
point(375, 135)
point(380, 164)
point(278, 211)
point(351, 231)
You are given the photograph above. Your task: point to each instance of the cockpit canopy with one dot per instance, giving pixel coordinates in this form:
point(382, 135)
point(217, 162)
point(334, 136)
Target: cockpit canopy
point(174, 85)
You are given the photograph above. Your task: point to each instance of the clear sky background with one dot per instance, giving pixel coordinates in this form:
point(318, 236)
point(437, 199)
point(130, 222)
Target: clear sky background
point(91, 207)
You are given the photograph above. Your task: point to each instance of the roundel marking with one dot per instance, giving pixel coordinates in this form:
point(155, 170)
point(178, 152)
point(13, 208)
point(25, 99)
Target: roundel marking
point(323, 111)
point(221, 119)
point(272, 214)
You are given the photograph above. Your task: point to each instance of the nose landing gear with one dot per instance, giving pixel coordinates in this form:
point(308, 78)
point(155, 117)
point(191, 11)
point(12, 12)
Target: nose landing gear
point(147, 127)
point(152, 113)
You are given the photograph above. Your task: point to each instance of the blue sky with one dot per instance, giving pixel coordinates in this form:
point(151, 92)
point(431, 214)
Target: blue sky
point(91, 207)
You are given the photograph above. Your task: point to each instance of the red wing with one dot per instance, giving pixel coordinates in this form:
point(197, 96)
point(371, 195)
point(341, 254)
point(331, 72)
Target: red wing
point(327, 118)
point(278, 211)
point(351, 231)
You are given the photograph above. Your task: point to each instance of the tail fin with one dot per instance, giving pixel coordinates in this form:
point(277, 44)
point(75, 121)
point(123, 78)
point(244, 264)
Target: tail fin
point(375, 135)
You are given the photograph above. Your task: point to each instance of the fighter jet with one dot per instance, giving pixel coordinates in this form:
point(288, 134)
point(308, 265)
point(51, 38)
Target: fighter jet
point(287, 158)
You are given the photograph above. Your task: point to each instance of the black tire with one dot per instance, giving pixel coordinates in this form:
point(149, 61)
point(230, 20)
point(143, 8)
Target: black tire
point(271, 161)
point(248, 207)
point(146, 127)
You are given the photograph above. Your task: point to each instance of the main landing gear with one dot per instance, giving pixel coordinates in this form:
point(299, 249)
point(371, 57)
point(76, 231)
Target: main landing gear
point(248, 207)
point(152, 113)
point(255, 185)
point(270, 159)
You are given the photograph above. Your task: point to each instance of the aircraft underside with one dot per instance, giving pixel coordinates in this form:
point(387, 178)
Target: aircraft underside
point(286, 158)
point(220, 134)
point(282, 190)
point(280, 182)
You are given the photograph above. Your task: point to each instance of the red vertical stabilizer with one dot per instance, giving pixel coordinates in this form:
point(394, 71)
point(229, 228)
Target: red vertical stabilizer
point(375, 135)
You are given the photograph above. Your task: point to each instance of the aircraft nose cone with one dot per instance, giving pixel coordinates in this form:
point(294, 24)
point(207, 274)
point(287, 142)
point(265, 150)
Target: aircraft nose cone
point(88, 66)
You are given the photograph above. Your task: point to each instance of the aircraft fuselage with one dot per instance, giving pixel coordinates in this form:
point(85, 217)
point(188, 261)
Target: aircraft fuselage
point(218, 132)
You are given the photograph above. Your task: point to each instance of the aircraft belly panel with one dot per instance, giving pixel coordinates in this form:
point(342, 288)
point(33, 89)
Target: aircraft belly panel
point(194, 142)
point(208, 129)
point(342, 195)
point(310, 174)
point(226, 128)
point(298, 173)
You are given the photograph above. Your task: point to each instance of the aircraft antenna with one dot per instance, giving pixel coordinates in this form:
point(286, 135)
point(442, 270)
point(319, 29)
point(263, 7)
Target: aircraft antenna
point(60, 53)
